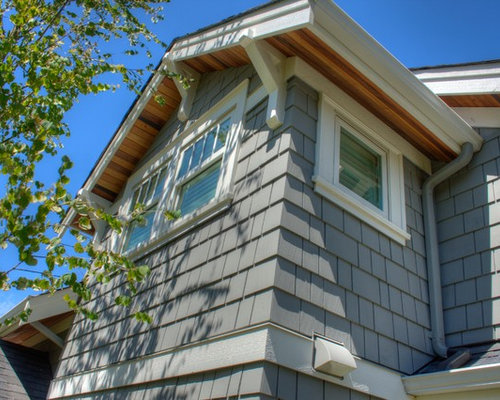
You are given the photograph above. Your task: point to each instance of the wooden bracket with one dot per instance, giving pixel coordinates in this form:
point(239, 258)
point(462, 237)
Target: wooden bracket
point(270, 65)
point(95, 201)
point(187, 93)
point(47, 333)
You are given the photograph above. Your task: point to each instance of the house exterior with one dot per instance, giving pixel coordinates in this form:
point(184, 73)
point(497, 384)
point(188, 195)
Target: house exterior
point(319, 253)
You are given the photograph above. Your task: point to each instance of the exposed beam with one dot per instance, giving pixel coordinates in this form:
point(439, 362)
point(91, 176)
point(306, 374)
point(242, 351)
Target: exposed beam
point(47, 333)
point(270, 65)
point(187, 93)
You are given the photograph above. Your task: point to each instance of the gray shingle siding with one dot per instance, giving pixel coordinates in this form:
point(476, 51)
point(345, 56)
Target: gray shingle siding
point(373, 290)
point(468, 214)
point(280, 253)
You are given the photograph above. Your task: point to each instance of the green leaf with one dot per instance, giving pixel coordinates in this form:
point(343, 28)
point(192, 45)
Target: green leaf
point(84, 224)
point(143, 317)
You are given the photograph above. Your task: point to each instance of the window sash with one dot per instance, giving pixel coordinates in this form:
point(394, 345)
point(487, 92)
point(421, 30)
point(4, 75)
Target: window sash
point(140, 232)
point(198, 191)
point(206, 148)
point(360, 169)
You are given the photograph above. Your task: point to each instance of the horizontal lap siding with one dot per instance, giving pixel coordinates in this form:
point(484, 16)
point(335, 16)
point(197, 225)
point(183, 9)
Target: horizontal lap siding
point(468, 214)
point(338, 276)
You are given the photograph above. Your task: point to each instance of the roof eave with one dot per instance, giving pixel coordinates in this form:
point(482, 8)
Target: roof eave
point(43, 306)
point(353, 43)
point(329, 23)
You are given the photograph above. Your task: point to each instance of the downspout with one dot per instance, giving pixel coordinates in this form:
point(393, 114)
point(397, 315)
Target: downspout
point(432, 247)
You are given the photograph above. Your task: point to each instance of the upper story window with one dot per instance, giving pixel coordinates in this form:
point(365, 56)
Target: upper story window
point(191, 175)
point(147, 193)
point(360, 171)
point(200, 168)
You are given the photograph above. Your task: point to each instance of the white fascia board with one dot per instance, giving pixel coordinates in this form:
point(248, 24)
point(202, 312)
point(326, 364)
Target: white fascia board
point(462, 80)
point(266, 342)
point(456, 380)
point(278, 18)
point(354, 44)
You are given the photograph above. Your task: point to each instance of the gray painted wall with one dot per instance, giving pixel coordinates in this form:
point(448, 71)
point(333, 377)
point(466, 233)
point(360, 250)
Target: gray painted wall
point(468, 214)
point(281, 253)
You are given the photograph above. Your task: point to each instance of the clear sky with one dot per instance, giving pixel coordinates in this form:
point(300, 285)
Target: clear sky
point(417, 32)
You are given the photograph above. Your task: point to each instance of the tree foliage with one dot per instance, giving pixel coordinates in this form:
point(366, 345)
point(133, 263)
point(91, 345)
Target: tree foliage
point(51, 52)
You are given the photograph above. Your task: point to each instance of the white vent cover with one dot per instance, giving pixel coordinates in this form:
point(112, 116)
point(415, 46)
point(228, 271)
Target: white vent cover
point(332, 358)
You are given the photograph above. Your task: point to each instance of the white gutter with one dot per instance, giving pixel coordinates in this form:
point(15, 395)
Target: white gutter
point(456, 380)
point(462, 80)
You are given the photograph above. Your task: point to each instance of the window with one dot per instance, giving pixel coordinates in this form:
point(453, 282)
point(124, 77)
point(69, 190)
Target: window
point(193, 174)
point(360, 171)
point(198, 174)
point(147, 193)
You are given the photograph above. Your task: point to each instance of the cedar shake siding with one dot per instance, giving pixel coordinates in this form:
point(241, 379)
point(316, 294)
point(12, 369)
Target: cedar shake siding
point(280, 253)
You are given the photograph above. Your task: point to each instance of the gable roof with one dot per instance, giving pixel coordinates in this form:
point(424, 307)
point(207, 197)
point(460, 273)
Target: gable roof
point(327, 39)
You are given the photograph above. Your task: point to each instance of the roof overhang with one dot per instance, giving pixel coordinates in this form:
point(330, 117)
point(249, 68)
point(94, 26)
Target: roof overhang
point(326, 38)
point(49, 316)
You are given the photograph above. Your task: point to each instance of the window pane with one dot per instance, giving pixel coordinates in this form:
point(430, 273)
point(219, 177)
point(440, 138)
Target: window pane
point(199, 190)
point(222, 134)
point(209, 145)
point(360, 169)
point(198, 149)
point(151, 188)
point(160, 183)
point(142, 194)
point(186, 157)
point(134, 200)
point(140, 233)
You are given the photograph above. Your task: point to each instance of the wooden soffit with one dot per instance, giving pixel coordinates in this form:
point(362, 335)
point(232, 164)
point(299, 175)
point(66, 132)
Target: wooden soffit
point(304, 44)
point(26, 335)
point(472, 100)
point(137, 141)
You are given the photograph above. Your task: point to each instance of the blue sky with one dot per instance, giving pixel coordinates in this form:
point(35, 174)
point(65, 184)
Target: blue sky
point(417, 32)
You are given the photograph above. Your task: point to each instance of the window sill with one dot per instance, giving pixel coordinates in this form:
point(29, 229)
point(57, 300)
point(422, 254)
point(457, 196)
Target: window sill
point(182, 225)
point(355, 207)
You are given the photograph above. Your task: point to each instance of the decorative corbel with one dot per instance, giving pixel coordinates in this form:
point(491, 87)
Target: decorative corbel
point(95, 201)
point(270, 65)
point(187, 93)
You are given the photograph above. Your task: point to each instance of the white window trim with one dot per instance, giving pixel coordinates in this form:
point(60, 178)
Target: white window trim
point(234, 105)
point(391, 221)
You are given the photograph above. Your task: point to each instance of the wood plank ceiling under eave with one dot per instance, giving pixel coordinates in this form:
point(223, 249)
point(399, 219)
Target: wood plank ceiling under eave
point(138, 140)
